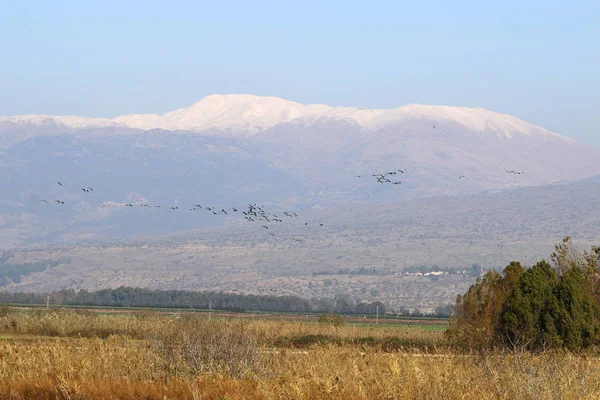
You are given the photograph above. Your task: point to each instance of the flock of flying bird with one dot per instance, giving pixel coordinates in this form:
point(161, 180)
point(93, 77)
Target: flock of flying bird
point(385, 177)
point(255, 213)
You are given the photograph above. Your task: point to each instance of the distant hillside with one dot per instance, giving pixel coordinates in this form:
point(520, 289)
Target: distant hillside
point(360, 252)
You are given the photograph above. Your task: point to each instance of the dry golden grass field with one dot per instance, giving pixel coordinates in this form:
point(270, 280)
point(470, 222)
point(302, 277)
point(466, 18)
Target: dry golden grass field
point(58, 354)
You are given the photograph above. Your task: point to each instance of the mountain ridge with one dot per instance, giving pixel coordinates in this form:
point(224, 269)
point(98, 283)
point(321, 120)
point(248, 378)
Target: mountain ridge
point(243, 115)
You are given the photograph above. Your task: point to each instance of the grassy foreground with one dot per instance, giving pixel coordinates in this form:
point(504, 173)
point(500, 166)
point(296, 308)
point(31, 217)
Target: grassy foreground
point(70, 355)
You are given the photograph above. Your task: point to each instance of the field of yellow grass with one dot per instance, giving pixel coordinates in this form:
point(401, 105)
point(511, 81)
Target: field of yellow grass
point(83, 355)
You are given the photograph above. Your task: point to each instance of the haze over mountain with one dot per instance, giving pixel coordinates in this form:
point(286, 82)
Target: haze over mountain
point(229, 150)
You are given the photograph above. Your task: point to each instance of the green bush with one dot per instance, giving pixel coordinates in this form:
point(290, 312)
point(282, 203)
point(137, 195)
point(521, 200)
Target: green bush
point(547, 306)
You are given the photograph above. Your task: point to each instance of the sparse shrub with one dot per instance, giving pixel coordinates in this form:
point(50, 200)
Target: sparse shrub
point(332, 319)
point(193, 346)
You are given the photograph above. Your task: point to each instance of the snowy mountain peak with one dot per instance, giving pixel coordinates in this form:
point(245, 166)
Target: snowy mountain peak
point(238, 111)
point(242, 115)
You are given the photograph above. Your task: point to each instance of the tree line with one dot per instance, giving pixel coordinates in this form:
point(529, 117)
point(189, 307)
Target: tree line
point(554, 304)
point(150, 298)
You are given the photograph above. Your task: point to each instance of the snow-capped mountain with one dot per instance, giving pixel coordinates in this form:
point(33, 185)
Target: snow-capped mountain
point(242, 115)
point(236, 149)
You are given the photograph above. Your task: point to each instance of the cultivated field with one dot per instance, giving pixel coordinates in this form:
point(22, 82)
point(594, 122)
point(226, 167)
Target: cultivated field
point(88, 355)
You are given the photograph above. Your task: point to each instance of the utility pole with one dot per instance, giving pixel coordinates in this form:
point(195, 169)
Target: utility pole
point(47, 302)
point(377, 316)
point(210, 309)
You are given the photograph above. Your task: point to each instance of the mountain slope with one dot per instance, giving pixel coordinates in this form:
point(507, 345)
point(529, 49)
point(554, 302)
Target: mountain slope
point(239, 149)
point(360, 251)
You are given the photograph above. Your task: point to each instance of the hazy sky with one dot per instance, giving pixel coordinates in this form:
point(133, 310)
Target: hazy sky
point(537, 60)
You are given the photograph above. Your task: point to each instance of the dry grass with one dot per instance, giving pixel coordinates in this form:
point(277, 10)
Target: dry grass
point(193, 358)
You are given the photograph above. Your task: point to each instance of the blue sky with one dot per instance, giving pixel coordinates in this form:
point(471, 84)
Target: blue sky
point(537, 60)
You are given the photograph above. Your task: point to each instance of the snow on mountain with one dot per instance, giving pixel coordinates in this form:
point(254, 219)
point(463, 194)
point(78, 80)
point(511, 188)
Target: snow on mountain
point(245, 115)
point(242, 115)
point(139, 121)
point(70, 121)
point(16, 129)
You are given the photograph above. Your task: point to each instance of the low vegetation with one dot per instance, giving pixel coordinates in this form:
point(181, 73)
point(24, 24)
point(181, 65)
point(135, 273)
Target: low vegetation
point(523, 334)
point(65, 354)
